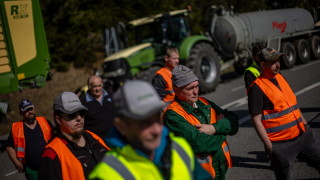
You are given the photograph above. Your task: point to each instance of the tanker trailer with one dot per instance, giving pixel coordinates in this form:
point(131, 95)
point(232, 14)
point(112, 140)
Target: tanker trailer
point(291, 31)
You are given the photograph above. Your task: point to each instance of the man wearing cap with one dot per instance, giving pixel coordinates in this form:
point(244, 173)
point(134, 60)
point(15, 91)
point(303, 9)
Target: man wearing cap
point(142, 148)
point(202, 123)
point(100, 114)
point(73, 153)
point(278, 120)
point(162, 81)
point(27, 140)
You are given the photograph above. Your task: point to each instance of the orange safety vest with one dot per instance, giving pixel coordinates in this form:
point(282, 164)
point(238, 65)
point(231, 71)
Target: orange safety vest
point(167, 75)
point(206, 162)
point(284, 121)
point(70, 166)
point(19, 139)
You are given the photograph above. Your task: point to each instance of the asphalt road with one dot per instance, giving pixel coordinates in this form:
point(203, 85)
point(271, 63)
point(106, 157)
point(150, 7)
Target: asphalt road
point(249, 159)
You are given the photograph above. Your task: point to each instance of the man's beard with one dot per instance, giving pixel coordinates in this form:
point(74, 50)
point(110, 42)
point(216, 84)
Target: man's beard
point(78, 134)
point(31, 118)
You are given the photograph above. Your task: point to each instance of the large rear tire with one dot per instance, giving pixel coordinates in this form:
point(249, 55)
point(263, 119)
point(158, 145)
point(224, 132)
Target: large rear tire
point(315, 46)
point(148, 74)
point(203, 60)
point(289, 60)
point(303, 50)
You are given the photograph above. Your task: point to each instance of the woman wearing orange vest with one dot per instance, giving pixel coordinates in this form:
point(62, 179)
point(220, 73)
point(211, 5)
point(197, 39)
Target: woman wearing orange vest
point(28, 139)
point(162, 81)
point(278, 120)
point(202, 123)
point(73, 153)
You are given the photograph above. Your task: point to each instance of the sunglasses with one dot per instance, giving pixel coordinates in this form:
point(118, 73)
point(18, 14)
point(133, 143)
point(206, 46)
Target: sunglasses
point(74, 115)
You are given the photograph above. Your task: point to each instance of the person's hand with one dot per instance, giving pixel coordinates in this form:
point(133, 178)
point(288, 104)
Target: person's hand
point(268, 148)
point(220, 116)
point(19, 166)
point(206, 128)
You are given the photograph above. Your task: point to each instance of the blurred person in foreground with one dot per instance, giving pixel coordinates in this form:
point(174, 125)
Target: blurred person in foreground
point(254, 70)
point(27, 140)
point(74, 152)
point(100, 114)
point(162, 81)
point(278, 120)
point(142, 148)
point(201, 122)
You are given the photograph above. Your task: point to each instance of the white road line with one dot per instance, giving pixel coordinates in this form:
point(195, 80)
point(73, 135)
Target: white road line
point(306, 65)
point(237, 88)
point(243, 101)
point(13, 172)
point(307, 89)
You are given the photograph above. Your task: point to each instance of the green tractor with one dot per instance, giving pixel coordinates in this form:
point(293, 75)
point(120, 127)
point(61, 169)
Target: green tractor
point(152, 35)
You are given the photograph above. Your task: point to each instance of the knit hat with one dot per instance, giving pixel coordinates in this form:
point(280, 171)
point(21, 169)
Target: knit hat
point(269, 54)
point(68, 102)
point(137, 99)
point(182, 75)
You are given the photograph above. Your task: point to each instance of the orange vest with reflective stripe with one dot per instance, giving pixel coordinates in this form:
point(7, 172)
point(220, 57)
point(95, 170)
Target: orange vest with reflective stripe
point(206, 162)
point(284, 121)
point(70, 166)
point(19, 139)
point(167, 75)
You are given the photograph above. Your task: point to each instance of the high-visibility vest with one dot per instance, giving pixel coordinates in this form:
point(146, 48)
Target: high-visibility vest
point(70, 166)
point(206, 162)
point(126, 163)
point(167, 75)
point(19, 139)
point(284, 120)
point(254, 69)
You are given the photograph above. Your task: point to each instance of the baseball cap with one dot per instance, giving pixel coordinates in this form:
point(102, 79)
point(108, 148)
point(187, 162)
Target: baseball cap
point(137, 99)
point(68, 102)
point(269, 54)
point(25, 104)
point(182, 75)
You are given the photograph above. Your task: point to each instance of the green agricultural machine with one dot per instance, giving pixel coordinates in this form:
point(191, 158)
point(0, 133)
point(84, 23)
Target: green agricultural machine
point(152, 35)
point(24, 54)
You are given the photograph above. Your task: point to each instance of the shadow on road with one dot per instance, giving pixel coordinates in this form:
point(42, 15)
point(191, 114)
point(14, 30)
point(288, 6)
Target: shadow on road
point(251, 162)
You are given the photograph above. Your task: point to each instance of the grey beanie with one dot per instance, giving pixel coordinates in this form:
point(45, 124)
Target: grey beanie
point(182, 75)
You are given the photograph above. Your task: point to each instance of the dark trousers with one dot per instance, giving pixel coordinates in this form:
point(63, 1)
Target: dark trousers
point(284, 154)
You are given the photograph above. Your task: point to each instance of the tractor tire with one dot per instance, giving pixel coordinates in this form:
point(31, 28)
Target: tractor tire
point(303, 50)
point(290, 58)
point(314, 42)
point(204, 62)
point(148, 74)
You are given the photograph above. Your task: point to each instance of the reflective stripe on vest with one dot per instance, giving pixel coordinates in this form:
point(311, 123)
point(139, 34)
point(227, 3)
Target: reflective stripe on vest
point(284, 121)
point(19, 139)
point(71, 167)
point(167, 75)
point(181, 152)
point(253, 69)
point(175, 106)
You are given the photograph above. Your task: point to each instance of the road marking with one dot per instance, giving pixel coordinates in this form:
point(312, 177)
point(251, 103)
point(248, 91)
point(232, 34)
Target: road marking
point(237, 88)
point(243, 101)
point(306, 65)
point(13, 172)
point(307, 89)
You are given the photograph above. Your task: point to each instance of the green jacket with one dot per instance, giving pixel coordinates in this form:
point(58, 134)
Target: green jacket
point(203, 144)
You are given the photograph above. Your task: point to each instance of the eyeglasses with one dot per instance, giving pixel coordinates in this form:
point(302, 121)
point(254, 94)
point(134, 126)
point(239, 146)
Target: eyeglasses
point(74, 115)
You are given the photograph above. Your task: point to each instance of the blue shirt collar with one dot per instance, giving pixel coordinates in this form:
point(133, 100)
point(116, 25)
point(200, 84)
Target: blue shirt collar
point(89, 98)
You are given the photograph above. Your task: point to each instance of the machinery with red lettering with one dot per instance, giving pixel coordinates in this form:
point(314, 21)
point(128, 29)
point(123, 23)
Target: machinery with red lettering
point(291, 31)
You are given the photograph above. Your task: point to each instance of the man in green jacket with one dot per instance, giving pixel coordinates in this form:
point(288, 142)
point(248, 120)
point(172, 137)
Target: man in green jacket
point(202, 123)
point(142, 148)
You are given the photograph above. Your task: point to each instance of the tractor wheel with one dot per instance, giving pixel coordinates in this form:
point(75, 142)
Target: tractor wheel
point(315, 46)
point(203, 60)
point(289, 60)
point(148, 74)
point(303, 50)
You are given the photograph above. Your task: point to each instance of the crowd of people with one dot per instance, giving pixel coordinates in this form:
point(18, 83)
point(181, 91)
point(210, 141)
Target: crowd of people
point(160, 130)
